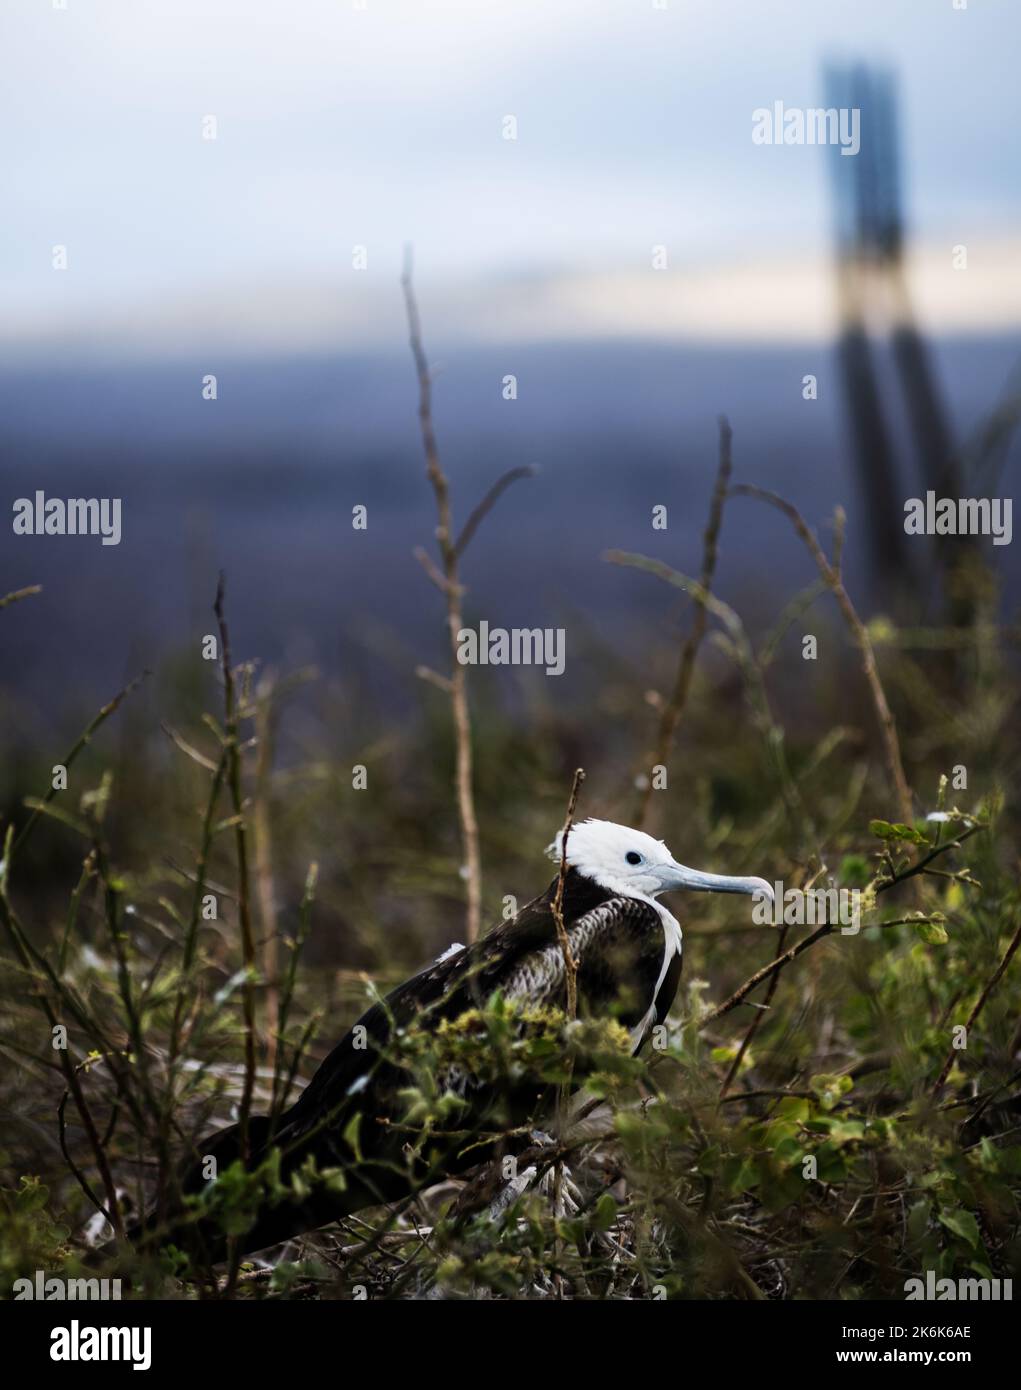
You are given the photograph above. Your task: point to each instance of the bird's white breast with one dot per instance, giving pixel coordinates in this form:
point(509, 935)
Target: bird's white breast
point(672, 946)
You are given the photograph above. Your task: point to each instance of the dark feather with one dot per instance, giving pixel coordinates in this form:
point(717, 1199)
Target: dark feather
point(618, 943)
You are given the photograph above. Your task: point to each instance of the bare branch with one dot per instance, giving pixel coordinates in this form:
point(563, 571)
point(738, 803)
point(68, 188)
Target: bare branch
point(83, 741)
point(265, 892)
point(570, 983)
point(429, 565)
point(452, 591)
point(763, 974)
point(18, 939)
point(780, 961)
point(758, 695)
point(188, 749)
point(241, 846)
point(426, 673)
point(980, 1004)
point(832, 576)
point(16, 595)
point(672, 711)
point(753, 1027)
point(570, 964)
point(486, 505)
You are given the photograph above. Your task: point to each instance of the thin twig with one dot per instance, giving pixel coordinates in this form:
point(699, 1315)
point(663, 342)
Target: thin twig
point(83, 741)
point(14, 930)
point(488, 502)
point(241, 846)
point(429, 565)
point(980, 1003)
point(188, 950)
point(753, 1027)
point(264, 886)
point(431, 677)
point(571, 987)
point(281, 1087)
point(780, 961)
point(452, 591)
point(763, 974)
point(188, 749)
point(570, 964)
point(674, 707)
point(744, 654)
point(79, 1176)
point(834, 581)
point(17, 595)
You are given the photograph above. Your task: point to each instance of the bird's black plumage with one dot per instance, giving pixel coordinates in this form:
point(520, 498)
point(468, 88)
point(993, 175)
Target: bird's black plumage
point(627, 969)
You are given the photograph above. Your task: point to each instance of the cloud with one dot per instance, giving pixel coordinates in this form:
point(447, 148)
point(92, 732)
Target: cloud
point(340, 126)
point(776, 301)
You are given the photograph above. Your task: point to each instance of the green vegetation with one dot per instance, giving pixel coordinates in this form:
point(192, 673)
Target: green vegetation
point(206, 908)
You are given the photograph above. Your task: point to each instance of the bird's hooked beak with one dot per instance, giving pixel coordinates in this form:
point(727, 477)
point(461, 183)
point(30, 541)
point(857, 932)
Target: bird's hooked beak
point(676, 875)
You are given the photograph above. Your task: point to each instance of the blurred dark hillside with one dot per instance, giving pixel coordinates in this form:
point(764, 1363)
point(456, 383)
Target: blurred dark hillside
point(261, 482)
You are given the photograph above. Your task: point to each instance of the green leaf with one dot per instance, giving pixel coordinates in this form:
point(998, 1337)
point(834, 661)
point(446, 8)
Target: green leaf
point(932, 931)
point(989, 1155)
point(887, 830)
point(789, 1150)
point(794, 1108)
point(918, 1221)
point(605, 1213)
point(351, 1134)
point(962, 1224)
point(854, 871)
point(830, 1088)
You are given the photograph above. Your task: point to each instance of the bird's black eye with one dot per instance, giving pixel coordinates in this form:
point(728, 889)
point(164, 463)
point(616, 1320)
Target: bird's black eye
point(633, 857)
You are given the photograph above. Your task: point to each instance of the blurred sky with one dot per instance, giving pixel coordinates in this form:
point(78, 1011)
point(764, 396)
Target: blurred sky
point(339, 125)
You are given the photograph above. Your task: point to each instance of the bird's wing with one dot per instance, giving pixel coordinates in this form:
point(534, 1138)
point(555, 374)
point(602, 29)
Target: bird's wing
point(668, 989)
point(618, 946)
point(454, 983)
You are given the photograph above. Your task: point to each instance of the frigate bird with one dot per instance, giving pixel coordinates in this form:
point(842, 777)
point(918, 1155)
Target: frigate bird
point(627, 951)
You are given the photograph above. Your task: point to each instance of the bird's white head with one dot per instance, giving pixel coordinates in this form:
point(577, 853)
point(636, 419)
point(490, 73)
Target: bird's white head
point(632, 863)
